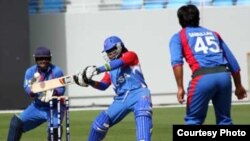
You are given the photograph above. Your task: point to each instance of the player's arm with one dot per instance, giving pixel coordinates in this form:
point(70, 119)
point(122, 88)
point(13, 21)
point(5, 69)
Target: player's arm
point(232, 62)
point(177, 65)
point(103, 84)
point(27, 78)
point(234, 67)
point(178, 73)
point(127, 59)
point(60, 90)
point(240, 91)
point(84, 79)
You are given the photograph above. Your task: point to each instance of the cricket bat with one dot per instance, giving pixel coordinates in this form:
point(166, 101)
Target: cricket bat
point(52, 83)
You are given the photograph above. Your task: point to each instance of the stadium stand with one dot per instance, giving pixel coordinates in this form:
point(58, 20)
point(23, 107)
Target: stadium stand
point(52, 6)
point(176, 3)
point(33, 6)
point(132, 4)
point(110, 5)
point(202, 2)
point(155, 4)
point(47, 6)
point(222, 2)
point(243, 2)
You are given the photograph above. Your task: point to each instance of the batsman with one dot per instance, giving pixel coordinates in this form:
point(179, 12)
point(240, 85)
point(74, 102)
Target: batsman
point(132, 94)
point(38, 111)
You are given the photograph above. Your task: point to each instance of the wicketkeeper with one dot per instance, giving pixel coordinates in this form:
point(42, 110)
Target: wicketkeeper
point(132, 94)
point(38, 111)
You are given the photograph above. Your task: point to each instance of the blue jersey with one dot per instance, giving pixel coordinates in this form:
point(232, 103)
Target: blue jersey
point(201, 48)
point(125, 74)
point(204, 49)
point(132, 94)
point(52, 72)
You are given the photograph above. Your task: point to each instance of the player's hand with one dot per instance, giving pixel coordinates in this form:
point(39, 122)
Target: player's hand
point(46, 96)
point(35, 79)
point(89, 72)
point(240, 92)
point(78, 78)
point(180, 95)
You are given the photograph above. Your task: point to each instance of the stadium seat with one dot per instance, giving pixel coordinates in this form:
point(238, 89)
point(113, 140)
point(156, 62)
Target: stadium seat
point(222, 3)
point(132, 4)
point(177, 3)
point(33, 6)
point(53, 6)
point(243, 2)
point(155, 4)
point(201, 2)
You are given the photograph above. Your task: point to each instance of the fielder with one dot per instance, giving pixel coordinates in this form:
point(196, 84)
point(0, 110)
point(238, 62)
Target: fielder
point(38, 111)
point(132, 94)
point(212, 64)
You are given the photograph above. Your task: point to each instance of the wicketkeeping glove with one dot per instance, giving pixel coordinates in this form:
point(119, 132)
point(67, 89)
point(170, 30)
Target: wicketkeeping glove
point(46, 96)
point(35, 79)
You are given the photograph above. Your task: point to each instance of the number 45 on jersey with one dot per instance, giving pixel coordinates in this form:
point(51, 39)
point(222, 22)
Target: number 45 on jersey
point(52, 84)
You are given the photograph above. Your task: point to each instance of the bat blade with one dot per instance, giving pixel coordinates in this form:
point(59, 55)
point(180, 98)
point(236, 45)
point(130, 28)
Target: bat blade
point(52, 84)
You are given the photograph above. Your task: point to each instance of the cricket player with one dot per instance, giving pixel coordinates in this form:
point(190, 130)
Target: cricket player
point(132, 94)
point(212, 65)
point(38, 111)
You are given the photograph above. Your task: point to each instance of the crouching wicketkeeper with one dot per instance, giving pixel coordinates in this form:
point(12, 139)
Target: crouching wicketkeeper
point(38, 111)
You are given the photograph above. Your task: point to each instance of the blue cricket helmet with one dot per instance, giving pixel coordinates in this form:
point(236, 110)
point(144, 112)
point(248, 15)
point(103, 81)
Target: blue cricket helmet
point(111, 42)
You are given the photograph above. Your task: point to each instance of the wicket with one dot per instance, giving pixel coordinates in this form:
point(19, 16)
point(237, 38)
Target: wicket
point(51, 131)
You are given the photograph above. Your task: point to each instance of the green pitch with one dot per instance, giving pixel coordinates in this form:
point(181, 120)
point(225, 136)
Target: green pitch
point(163, 119)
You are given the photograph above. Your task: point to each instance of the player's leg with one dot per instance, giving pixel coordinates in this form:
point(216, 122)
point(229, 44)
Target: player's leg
point(115, 113)
point(222, 100)
point(15, 129)
point(99, 127)
point(29, 119)
point(143, 117)
point(200, 91)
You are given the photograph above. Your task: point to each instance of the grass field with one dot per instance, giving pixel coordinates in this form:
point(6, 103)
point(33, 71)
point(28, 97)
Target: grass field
point(163, 119)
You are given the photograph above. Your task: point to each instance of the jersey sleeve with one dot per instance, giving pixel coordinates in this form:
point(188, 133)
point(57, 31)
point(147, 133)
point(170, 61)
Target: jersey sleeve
point(232, 62)
point(29, 73)
point(58, 73)
point(130, 58)
point(176, 50)
point(127, 59)
point(103, 84)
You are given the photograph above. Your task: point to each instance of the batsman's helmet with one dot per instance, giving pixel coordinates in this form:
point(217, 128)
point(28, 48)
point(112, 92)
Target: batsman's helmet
point(113, 45)
point(111, 42)
point(42, 52)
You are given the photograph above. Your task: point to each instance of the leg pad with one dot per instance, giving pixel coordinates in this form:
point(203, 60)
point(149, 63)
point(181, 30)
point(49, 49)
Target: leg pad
point(99, 127)
point(15, 129)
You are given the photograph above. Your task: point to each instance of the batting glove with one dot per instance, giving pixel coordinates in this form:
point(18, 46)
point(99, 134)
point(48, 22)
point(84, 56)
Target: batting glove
point(78, 78)
point(90, 71)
